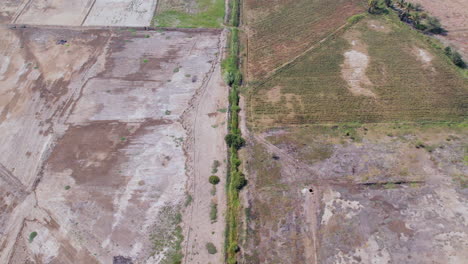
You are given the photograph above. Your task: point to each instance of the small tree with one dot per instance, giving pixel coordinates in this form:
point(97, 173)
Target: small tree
point(211, 248)
point(372, 6)
point(458, 60)
point(434, 26)
point(234, 140)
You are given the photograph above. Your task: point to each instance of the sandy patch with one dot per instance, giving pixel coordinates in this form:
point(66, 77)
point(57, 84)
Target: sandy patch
point(54, 12)
point(378, 26)
point(354, 72)
point(121, 13)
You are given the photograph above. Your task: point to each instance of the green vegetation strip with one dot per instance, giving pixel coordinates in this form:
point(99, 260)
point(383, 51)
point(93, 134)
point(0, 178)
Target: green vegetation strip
point(235, 178)
point(208, 14)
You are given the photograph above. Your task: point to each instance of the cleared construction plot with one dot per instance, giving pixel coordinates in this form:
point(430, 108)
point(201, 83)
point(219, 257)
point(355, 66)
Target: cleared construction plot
point(77, 13)
point(8, 9)
point(99, 129)
point(121, 13)
point(54, 12)
point(379, 70)
point(278, 31)
point(189, 14)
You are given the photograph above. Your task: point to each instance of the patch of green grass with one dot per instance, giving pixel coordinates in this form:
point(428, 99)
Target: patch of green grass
point(176, 69)
point(222, 110)
point(145, 61)
point(167, 235)
point(188, 200)
point(167, 112)
point(123, 138)
point(207, 14)
point(215, 166)
point(213, 212)
point(461, 179)
point(211, 248)
point(32, 236)
point(67, 187)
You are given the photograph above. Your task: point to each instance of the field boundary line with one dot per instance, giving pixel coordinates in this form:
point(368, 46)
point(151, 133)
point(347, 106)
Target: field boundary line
point(20, 12)
point(87, 13)
point(313, 46)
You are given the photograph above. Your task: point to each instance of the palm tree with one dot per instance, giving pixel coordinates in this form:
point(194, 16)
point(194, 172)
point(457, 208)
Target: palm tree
point(372, 6)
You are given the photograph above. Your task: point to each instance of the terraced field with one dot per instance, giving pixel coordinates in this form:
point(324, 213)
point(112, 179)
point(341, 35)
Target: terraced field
point(379, 70)
point(280, 30)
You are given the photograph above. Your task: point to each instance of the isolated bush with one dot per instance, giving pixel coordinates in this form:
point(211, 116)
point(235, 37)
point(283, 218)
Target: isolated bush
point(455, 57)
point(433, 25)
point(32, 236)
point(214, 166)
point(458, 60)
point(213, 212)
point(211, 248)
point(213, 179)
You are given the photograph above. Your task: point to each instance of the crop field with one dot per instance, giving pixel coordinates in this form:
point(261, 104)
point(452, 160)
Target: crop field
point(281, 30)
point(342, 193)
point(379, 70)
point(190, 14)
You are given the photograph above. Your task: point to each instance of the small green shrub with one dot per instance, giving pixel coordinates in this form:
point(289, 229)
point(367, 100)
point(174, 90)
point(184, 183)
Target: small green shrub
point(213, 179)
point(234, 140)
point(213, 212)
point(67, 187)
point(215, 166)
point(32, 236)
point(356, 18)
point(188, 200)
point(211, 248)
point(239, 180)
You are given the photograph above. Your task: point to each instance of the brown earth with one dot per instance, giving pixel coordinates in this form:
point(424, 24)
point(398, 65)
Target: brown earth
point(317, 195)
point(99, 141)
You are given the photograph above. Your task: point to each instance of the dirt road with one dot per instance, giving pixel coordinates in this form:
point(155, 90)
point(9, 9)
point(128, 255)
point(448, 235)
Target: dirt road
point(207, 145)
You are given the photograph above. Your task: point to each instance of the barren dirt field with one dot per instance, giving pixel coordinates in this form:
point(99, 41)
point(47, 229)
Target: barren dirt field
point(77, 13)
point(383, 194)
point(238, 131)
point(99, 132)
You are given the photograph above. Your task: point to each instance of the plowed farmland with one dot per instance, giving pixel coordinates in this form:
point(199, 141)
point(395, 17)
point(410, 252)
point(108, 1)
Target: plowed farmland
point(377, 71)
point(281, 30)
